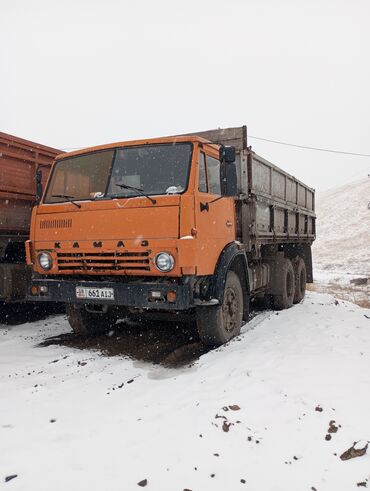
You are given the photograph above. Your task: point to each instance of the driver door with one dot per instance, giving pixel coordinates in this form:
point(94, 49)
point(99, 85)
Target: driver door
point(214, 214)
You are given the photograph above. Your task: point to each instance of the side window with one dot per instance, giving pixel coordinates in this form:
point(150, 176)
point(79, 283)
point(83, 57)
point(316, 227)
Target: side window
point(202, 173)
point(214, 182)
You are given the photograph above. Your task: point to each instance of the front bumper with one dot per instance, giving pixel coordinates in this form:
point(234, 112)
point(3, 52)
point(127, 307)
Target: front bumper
point(135, 295)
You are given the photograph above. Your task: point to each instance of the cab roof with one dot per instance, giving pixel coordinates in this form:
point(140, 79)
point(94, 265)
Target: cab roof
point(131, 143)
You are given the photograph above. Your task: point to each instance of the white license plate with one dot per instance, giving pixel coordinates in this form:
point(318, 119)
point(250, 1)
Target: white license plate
point(95, 293)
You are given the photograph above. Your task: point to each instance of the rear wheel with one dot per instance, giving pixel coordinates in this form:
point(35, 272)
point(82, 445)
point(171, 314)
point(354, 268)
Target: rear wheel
point(284, 285)
point(300, 280)
point(218, 324)
point(85, 323)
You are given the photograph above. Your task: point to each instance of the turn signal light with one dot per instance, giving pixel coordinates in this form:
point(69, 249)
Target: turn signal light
point(39, 290)
point(34, 290)
point(171, 297)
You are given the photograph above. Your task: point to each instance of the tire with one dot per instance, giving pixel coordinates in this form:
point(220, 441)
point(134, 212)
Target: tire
point(85, 323)
point(284, 285)
point(300, 275)
point(218, 324)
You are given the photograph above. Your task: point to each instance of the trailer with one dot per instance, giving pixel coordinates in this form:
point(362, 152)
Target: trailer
point(21, 161)
point(190, 225)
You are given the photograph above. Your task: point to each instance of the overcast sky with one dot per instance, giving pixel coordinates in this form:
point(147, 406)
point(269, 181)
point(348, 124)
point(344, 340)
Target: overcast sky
point(76, 73)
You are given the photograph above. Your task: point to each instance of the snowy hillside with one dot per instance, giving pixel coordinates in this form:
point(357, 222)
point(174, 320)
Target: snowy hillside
point(343, 229)
point(272, 411)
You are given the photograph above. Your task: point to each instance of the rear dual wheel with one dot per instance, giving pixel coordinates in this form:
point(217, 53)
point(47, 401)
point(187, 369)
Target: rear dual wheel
point(284, 286)
point(290, 283)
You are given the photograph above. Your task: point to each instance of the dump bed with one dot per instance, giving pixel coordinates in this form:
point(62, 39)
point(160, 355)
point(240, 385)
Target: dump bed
point(275, 206)
point(19, 161)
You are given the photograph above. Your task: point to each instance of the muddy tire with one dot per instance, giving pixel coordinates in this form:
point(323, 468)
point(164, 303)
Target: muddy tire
point(86, 323)
point(218, 324)
point(284, 285)
point(300, 276)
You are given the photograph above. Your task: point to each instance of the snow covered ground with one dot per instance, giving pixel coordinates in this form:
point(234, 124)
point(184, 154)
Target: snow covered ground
point(251, 415)
point(343, 229)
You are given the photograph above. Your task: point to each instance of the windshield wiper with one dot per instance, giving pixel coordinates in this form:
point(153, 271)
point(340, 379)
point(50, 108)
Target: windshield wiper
point(67, 197)
point(126, 186)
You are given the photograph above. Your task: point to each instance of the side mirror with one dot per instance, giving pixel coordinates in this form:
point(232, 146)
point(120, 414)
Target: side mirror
point(227, 154)
point(38, 186)
point(229, 179)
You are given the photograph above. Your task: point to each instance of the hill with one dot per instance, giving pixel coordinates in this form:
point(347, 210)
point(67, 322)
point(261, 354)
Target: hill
point(343, 229)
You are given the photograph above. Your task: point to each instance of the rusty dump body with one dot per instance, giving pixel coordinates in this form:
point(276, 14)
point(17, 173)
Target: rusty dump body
point(19, 161)
point(98, 234)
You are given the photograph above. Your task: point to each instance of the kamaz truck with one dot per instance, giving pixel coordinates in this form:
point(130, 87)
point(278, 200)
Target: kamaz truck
point(187, 226)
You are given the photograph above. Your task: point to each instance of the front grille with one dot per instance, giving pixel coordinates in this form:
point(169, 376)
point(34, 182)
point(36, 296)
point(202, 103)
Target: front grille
point(104, 261)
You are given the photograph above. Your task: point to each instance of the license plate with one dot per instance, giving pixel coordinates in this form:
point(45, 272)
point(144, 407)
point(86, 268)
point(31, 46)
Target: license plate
point(94, 293)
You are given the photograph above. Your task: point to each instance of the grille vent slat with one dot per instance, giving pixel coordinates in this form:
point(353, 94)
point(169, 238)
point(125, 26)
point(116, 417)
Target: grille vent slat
point(108, 261)
point(56, 223)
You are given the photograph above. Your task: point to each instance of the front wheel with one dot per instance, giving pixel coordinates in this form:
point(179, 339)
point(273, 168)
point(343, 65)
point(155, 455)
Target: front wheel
point(218, 324)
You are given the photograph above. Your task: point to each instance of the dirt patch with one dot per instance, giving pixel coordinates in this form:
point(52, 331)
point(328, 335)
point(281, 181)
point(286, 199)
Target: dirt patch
point(169, 344)
point(172, 344)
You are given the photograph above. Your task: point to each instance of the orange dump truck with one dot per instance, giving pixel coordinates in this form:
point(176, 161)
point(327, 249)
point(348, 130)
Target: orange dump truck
point(190, 226)
point(22, 164)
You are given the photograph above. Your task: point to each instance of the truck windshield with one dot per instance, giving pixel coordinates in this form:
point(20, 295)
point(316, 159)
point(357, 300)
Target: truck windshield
point(151, 169)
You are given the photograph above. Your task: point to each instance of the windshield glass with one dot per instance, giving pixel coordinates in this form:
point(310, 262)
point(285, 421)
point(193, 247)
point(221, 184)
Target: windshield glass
point(81, 177)
point(152, 169)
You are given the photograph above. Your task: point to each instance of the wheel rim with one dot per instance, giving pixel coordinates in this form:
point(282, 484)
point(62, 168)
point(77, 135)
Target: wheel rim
point(230, 310)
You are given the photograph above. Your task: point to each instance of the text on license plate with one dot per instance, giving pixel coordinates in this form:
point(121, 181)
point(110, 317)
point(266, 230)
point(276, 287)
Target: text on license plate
point(94, 293)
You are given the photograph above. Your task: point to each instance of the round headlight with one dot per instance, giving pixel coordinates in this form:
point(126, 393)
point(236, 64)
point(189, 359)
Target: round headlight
point(164, 262)
point(45, 260)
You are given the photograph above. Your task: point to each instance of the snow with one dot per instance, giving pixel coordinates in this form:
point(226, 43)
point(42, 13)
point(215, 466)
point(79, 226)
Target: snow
point(119, 421)
point(343, 229)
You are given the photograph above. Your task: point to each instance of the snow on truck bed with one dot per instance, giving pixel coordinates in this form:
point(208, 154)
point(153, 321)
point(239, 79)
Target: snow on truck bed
point(251, 415)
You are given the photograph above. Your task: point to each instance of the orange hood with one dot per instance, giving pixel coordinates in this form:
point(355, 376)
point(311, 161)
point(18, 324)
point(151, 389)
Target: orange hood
point(112, 219)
